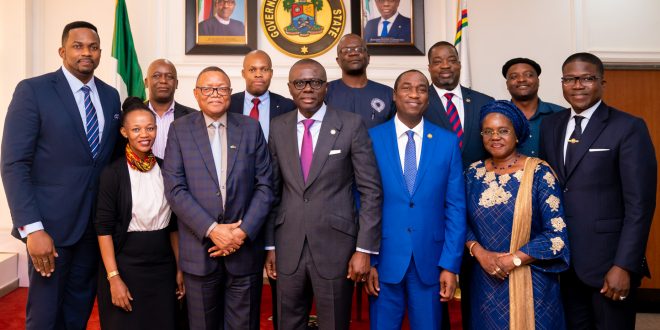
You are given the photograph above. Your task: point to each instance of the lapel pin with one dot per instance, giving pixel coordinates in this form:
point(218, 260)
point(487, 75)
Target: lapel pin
point(430, 136)
point(333, 131)
point(573, 140)
point(468, 100)
point(232, 147)
point(116, 116)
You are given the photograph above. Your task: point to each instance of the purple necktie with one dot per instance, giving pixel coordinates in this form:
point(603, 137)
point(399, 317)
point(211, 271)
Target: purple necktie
point(307, 150)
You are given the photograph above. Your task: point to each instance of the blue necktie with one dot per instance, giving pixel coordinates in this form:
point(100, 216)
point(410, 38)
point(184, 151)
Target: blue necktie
point(91, 123)
point(384, 32)
point(410, 162)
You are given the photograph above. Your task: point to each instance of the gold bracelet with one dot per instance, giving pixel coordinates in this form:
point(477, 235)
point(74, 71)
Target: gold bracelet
point(470, 248)
point(112, 274)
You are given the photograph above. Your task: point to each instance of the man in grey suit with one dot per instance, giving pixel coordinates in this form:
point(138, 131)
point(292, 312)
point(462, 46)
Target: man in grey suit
point(217, 175)
point(322, 244)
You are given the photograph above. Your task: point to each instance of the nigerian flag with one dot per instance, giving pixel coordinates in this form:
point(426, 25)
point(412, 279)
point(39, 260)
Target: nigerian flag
point(129, 74)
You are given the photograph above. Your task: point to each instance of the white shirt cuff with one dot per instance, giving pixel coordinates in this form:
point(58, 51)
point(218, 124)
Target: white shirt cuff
point(269, 248)
point(208, 231)
point(30, 228)
point(365, 251)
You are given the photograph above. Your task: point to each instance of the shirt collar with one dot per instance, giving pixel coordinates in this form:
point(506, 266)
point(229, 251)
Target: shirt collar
point(209, 121)
point(458, 94)
point(391, 19)
point(169, 110)
point(586, 113)
point(222, 21)
point(317, 116)
point(263, 98)
point(75, 83)
point(401, 128)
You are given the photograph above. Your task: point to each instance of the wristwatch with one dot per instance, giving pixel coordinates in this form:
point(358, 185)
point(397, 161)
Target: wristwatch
point(516, 261)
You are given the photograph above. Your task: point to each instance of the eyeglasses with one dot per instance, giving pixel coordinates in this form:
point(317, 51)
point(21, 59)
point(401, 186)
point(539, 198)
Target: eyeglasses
point(208, 91)
point(301, 84)
point(158, 75)
point(502, 132)
point(587, 81)
point(357, 50)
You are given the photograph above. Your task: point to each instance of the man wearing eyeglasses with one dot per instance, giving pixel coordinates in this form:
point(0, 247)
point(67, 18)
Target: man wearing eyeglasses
point(522, 82)
point(606, 165)
point(390, 27)
point(320, 243)
point(217, 175)
point(162, 82)
point(354, 92)
point(221, 23)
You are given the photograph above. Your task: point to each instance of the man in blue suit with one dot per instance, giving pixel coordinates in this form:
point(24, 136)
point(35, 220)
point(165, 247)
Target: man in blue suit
point(607, 168)
point(423, 224)
point(60, 131)
point(390, 27)
point(217, 177)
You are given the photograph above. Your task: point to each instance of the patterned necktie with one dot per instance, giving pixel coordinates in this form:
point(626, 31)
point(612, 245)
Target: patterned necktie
point(91, 122)
point(254, 113)
point(573, 141)
point(307, 148)
point(454, 119)
point(215, 149)
point(383, 33)
point(410, 162)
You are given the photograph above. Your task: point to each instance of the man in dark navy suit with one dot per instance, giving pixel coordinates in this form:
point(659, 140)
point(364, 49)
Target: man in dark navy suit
point(390, 27)
point(606, 165)
point(257, 101)
point(60, 131)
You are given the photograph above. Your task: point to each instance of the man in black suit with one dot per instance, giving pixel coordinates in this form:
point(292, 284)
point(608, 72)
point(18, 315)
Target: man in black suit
point(162, 82)
point(257, 101)
point(607, 168)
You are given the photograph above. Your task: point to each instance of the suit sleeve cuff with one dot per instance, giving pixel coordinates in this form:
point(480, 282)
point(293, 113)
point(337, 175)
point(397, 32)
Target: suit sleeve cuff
point(28, 229)
point(208, 231)
point(358, 249)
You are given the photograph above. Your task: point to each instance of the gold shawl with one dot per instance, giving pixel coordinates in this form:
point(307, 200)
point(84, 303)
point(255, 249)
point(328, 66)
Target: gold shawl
point(521, 300)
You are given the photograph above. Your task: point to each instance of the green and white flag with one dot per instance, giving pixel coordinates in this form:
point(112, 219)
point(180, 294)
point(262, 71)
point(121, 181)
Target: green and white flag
point(129, 80)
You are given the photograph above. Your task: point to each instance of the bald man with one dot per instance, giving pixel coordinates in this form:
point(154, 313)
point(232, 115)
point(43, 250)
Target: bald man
point(162, 82)
point(257, 101)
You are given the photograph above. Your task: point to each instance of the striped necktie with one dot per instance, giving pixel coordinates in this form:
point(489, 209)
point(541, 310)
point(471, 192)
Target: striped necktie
point(91, 122)
point(454, 119)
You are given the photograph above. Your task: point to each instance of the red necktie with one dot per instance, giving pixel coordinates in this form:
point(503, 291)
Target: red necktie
point(254, 113)
point(454, 119)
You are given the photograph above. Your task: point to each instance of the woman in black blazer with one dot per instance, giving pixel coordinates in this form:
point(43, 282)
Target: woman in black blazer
point(139, 279)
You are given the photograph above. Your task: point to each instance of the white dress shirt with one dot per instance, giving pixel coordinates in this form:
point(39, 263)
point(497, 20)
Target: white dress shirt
point(402, 139)
point(163, 125)
point(264, 110)
point(457, 99)
point(571, 123)
point(150, 208)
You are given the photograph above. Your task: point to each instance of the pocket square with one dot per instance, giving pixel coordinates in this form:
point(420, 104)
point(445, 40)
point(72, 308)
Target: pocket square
point(597, 150)
point(334, 152)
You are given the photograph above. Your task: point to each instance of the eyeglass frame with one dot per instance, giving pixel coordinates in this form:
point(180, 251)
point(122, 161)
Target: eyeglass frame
point(587, 81)
point(501, 132)
point(214, 90)
point(351, 50)
point(309, 82)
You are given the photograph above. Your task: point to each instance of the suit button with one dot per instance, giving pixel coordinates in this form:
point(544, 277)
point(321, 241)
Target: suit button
point(410, 229)
point(411, 205)
point(306, 200)
point(217, 193)
point(565, 189)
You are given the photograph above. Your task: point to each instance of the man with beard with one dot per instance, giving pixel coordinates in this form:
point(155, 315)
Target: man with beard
point(162, 82)
point(522, 81)
point(354, 92)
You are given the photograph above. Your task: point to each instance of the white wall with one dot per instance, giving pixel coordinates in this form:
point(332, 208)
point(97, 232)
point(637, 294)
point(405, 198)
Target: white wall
point(546, 31)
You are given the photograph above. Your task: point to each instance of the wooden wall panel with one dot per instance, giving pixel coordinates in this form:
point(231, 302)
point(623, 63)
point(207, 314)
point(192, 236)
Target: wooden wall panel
point(638, 92)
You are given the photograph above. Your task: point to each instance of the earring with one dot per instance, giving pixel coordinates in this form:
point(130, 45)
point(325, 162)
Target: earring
point(516, 140)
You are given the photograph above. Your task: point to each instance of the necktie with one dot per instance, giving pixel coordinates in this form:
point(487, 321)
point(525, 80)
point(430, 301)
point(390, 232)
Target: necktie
point(215, 149)
point(91, 122)
point(254, 113)
point(383, 33)
point(410, 162)
point(307, 149)
point(573, 141)
point(454, 119)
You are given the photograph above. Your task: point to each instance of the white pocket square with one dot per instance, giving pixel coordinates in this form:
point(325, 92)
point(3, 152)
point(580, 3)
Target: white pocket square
point(597, 150)
point(334, 152)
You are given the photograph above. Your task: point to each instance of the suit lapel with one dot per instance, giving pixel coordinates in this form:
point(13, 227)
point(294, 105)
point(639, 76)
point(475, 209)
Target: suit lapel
point(427, 150)
point(470, 115)
point(392, 148)
point(595, 126)
point(200, 135)
point(234, 138)
point(108, 114)
point(274, 106)
point(437, 112)
point(290, 142)
point(559, 132)
point(324, 144)
point(66, 96)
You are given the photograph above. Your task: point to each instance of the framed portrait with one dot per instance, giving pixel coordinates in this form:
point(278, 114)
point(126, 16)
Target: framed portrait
point(390, 27)
point(220, 26)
